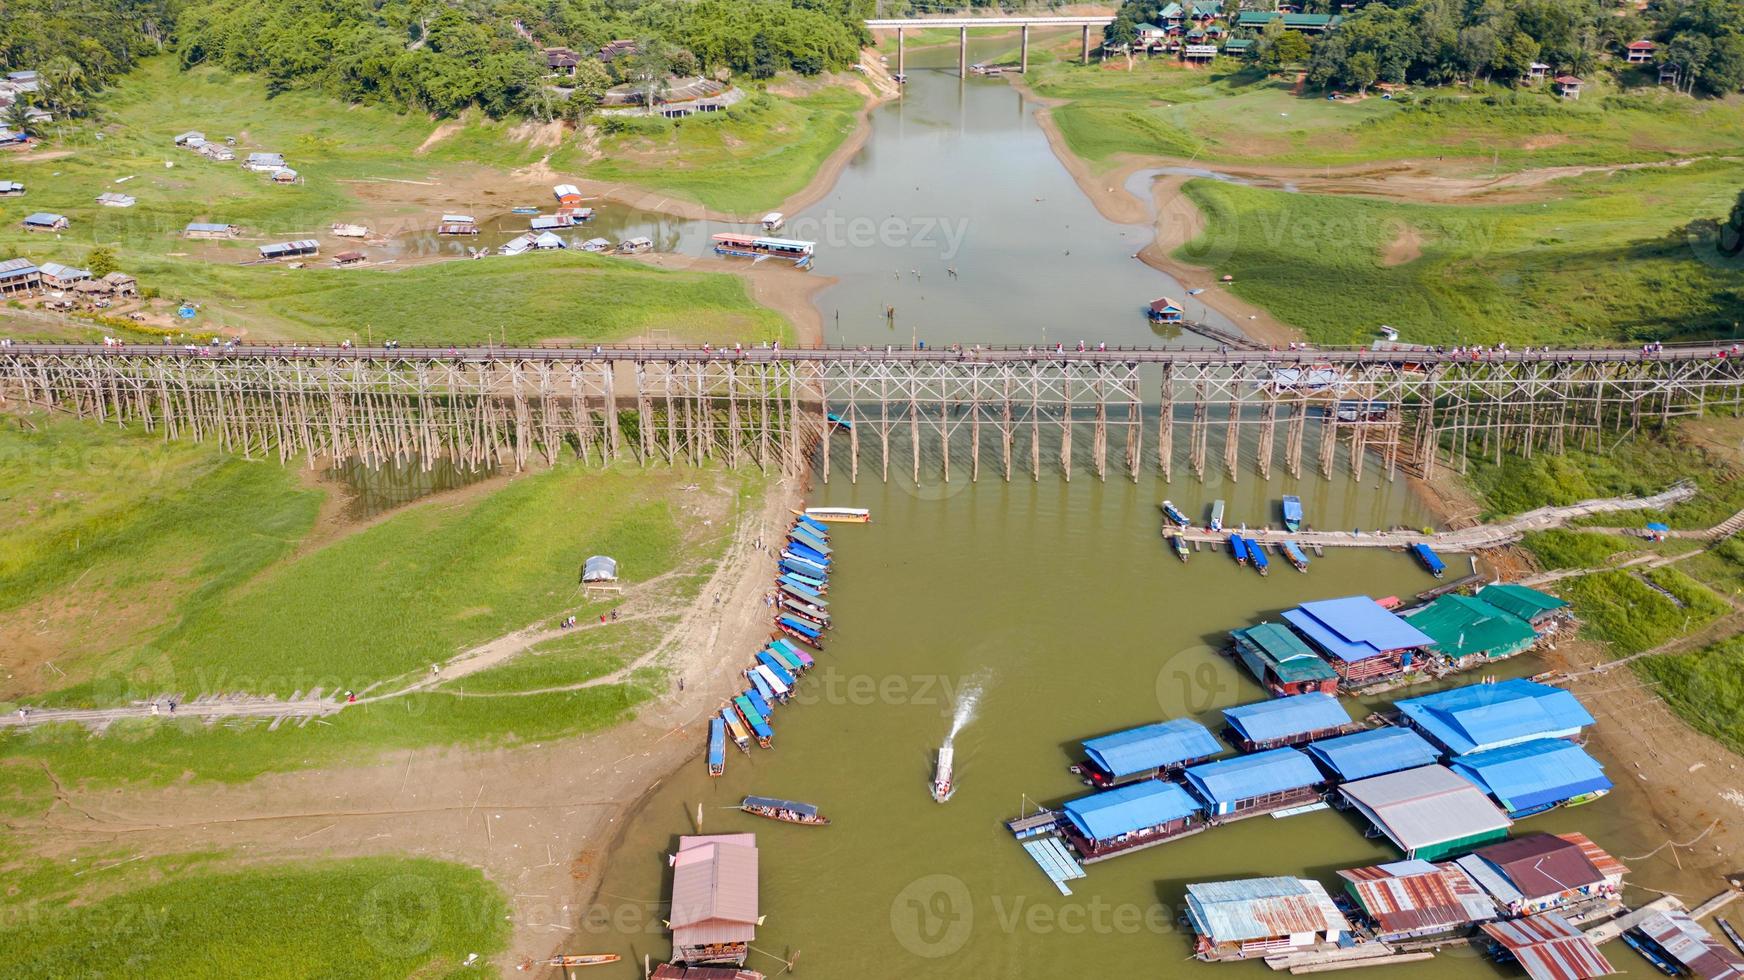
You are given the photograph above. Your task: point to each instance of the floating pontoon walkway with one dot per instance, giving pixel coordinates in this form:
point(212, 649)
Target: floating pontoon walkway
point(1052, 855)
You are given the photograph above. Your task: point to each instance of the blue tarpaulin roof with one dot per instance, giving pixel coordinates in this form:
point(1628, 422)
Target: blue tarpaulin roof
point(1247, 776)
point(1486, 716)
point(1100, 816)
point(1533, 774)
point(1354, 628)
point(1375, 752)
point(1659, 526)
point(1265, 721)
point(1165, 743)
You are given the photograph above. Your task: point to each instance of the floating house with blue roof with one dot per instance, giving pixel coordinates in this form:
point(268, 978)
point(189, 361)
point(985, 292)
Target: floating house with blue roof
point(1363, 640)
point(1281, 661)
point(1250, 785)
point(1531, 777)
point(1286, 721)
point(1129, 818)
point(1374, 752)
point(1488, 716)
point(1146, 752)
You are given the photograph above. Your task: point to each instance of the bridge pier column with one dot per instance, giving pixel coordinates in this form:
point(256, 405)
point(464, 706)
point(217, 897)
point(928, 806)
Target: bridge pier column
point(900, 70)
point(962, 52)
point(1023, 56)
point(1086, 55)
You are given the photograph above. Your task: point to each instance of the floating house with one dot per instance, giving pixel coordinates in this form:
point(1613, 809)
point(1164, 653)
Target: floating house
point(1531, 777)
point(1487, 716)
point(1694, 950)
point(1544, 872)
point(1547, 947)
point(113, 200)
point(343, 230)
point(1147, 752)
point(551, 222)
point(1286, 721)
point(1468, 631)
point(1128, 818)
point(288, 250)
point(1165, 310)
point(19, 276)
point(264, 162)
point(714, 899)
point(203, 229)
point(1364, 641)
point(672, 971)
point(531, 242)
point(1428, 812)
point(1414, 899)
point(11, 188)
point(596, 245)
point(1540, 609)
point(1374, 752)
point(46, 221)
point(58, 276)
point(349, 258)
point(1250, 785)
point(1281, 662)
point(1263, 916)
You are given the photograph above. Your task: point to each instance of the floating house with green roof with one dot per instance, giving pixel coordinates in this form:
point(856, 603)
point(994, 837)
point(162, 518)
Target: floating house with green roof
point(1282, 662)
point(1535, 607)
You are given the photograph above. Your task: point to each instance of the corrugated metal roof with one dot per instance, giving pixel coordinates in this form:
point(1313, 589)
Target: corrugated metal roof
point(1481, 716)
point(58, 271)
point(1416, 896)
point(1262, 908)
point(1265, 721)
point(1354, 628)
point(1248, 776)
point(1286, 654)
point(1520, 600)
point(1425, 806)
point(44, 218)
point(1461, 625)
point(206, 226)
point(714, 889)
point(1692, 946)
point(1134, 807)
point(1541, 866)
point(1548, 948)
point(1165, 743)
point(1532, 774)
point(1375, 752)
point(12, 268)
point(1610, 867)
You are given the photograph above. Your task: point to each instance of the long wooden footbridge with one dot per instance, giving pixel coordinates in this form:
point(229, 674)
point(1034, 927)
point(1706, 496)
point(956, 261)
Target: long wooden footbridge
point(1004, 22)
point(944, 413)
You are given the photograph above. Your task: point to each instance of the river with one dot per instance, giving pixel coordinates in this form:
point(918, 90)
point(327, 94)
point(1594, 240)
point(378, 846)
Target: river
point(1058, 599)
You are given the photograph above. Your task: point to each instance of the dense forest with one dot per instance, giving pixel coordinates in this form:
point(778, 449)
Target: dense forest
point(1441, 41)
point(78, 46)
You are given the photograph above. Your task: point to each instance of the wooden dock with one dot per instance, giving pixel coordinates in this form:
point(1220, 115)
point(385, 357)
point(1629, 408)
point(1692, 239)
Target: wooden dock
point(1055, 860)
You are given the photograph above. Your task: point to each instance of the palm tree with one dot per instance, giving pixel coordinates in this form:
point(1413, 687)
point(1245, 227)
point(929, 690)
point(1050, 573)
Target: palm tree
point(61, 78)
point(18, 118)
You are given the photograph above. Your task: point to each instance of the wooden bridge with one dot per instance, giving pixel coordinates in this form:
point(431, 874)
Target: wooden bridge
point(963, 24)
point(947, 412)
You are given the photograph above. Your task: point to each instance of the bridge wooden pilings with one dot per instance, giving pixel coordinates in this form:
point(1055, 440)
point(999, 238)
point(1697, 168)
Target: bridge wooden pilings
point(885, 414)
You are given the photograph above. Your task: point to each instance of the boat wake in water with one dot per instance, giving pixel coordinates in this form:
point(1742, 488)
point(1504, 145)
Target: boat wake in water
point(968, 699)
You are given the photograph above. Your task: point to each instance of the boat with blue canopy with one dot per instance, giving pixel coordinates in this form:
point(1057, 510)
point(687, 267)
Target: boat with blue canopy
point(761, 685)
point(805, 576)
point(1179, 543)
point(717, 752)
point(767, 659)
point(1257, 552)
point(1238, 548)
point(754, 720)
point(1217, 515)
point(782, 687)
point(801, 633)
point(812, 541)
point(786, 811)
point(806, 609)
point(1292, 514)
point(761, 703)
point(788, 646)
point(838, 421)
point(795, 562)
point(1293, 551)
point(1174, 514)
point(1430, 559)
point(741, 735)
point(817, 527)
point(795, 586)
point(807, 553)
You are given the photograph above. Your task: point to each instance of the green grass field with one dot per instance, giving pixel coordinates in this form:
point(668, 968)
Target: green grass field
point(1705, 687)
point(745, 160)
point(1574, 549)
point(1604, 259)
point(1624, 612)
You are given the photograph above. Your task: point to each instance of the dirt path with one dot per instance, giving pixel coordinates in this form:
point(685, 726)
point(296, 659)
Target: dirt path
point(537, 819)
point(788, 291)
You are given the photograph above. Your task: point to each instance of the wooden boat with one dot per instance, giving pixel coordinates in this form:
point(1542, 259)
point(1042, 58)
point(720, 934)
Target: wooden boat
point(1293, 551)
point(736, 728)
point(764, 689)
point(805, 553)
point(1649, 954)
point(1238, 548)
point(839, 515)
point(808, 622)
point(802, 586)
point(760, 248)
point(1180, 545)
point(787, 646)
point(717, 751)
point(567, 960)
point(811, 524)
point(836, 421)
point(806, 574)
point(768, 661)
point(806, 609)
point(786, 811)
point(1174, 514)
point(775, 682)
point(525, 209)
point(812, 641)
point(794, 665)
point(943, 784)
point(803, 534)
point(1257, 552)
point(1292, 514)
point(1217, 515)
point(1731, 933)
point(1429, 559)
point(754, 720)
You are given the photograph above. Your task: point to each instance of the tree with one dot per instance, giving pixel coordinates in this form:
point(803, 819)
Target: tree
point(18, 118)
point(649, 69)
point(590, 82)
point(1289, 48)
point(1362, 71)
point(1689, 52)
point(1725, 68)
point(101, 261)
point(1731, 237)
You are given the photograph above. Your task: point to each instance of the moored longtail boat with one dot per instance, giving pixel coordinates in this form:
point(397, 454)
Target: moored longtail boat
point(763, 687)
point(1217, 515)
point(796, 550)
point(1174, 514)
point(816, 526)
point(786, 811)
point(1429, 558)
point(1292, 514)
point(737, 729)
point(808, 610)
point(839, 515)
point(793, 562)
point(816, 624)
point(838, 422)
point(1293, 551)
point(1179, 543)
point(808, 574)
point(788, 646)
point(769, 661)
point(794, 665)
point(776, 682)
point(799, 535)
point(755, 721)
point(761, 703)
point(799, 633)
point(1257, 552)
point(1732, 934)
point(1238, 548)
point(567, 960)
point(803, 587)
point(717, 751)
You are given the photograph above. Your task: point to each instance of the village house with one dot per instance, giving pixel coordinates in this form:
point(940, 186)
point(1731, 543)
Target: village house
point(1172, 15)
point(46, 221)
point(1280, 661)
point(92, 290)
point(1249, 785)
point(1165, 310)
point(193, 139)
point(1151, 36)
point(1291, 720)
point(1363, 641)
point(1415, 899)
point(713, 914)
point(348, 258)
point(11, 188)
point(204, 229)
point(613, 50)
point(1536, 72)
point(1568, 86)
point(1540, 873)
point(1669, 73)
point(1260, 917)
point(285, 175)
point(287, 250)
point(58, 276)
point(19, 276)
point(457, 224)
point(218, 152)
point(1146, 752)
point(114, 200)
point(1427, 812)
point(8, 138)
point(561, 61)
point(24, 82)
point(1372, 752)
point(122, 284)
point(1640, 52)
point(1238, 47)
point(1485, 716)
point(264, 162)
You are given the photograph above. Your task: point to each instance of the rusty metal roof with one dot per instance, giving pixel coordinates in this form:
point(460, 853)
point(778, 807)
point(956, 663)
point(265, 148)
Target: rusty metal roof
point(1692, 946)
point(714, 890)
point(1416, 896)
point(1548, 948)
point(1262, 908)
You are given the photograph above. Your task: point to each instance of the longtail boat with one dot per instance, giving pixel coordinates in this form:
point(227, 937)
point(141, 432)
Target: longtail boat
point(802, 587)
point(781, 688)
point(1238, 548)
point(1732, 934)
point(1179, 543)
point(1292, 514)
point(764, 688)
point(804, 534)
point(1217, 515)
point(1174, 514)
point(943, 784)
point(817, 527)
point(1648, 953)
point(787, 646)
point(567, 960)
point(736, 727)
point(793, 664)
point(754, 721)
point(1430, 559)
point(806, 609)
point(786, 811)
point(1257, 552)
point(793, 562)
point(767, 659)
point(839, 515)
point(816, 624)
point(717, 756)
point(799, 634)
point(807, 552)
point(761, 703)
point(838, 421)
point(808, 574)
point(1293, 551)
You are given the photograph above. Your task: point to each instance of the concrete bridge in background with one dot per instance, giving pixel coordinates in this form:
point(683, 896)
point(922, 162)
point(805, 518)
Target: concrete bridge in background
point(963, 24)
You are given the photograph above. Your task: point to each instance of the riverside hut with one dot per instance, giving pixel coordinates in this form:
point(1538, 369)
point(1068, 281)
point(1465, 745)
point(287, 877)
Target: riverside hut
point(46, 221)
point(1286, 721)
point(1547, 947)
point(205, 229)
point(287, 250)
point(1263, 916)
point(1278, 659)
point(264, 163)
point(1374, 752)
point(1468, 631)
point(1249, 785)
point(1541, 609)
point(1129, 818)
point(1686, 944)
point(11, 188)
point(1415, 899)
point(714, 899)
point(1428, 812)
point(1544, 872)
point(1146, 752)
point(1531, 777)
point(1487, 716)
point(1364, 641)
